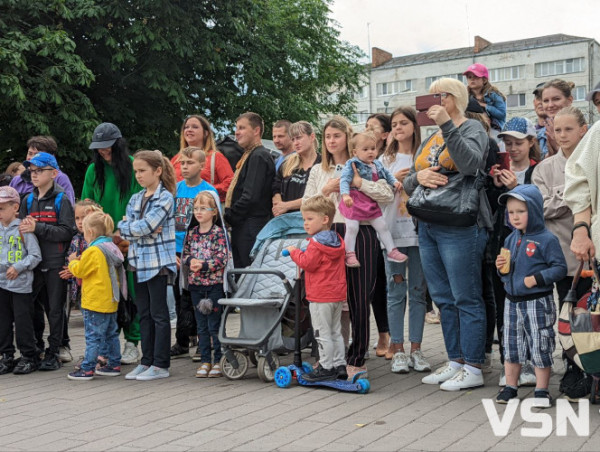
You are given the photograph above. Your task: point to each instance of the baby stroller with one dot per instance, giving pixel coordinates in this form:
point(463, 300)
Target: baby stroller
point(266, 297)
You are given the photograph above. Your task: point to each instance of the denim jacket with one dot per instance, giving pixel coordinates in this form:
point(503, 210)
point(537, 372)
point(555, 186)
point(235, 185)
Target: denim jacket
point(365, 172)
point(496, 109)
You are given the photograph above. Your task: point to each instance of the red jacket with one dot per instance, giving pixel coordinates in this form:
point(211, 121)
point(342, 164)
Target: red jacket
point(324, 271)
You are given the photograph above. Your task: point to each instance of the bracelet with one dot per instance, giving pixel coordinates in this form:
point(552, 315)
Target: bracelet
point(581, 224)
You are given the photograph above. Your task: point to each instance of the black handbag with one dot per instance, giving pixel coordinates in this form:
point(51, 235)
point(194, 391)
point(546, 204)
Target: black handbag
point(126, 311)
point(453, 204)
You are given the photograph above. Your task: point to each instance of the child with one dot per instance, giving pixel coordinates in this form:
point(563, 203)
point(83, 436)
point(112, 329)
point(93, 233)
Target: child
point(357, 206)
point(149, 225)
point(100, 268)
point(323, 265)
point(191, 161)
point(205, 255)
point(487, 95)
point(535, 262)
point(19, 255)
point(49, 215)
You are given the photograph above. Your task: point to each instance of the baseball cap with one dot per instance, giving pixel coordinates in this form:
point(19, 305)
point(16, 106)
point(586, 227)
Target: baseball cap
point(478, 69)
point(42, 159)
point(503, 198)
point(590, 96)
point(538, 89)
point(105, 136)
point(519, 128)
point(9, 194)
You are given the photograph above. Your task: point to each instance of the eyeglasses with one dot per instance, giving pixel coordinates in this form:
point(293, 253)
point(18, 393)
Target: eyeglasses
point(203, 209)
point(442, 95)
point(40, 170)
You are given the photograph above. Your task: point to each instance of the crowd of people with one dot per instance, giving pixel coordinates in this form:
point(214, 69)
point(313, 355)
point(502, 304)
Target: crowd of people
point(145, 222)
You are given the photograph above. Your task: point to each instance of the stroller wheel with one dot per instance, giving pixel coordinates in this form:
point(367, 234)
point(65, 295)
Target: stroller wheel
point(229, 371)
point(283, 377)
point(265, 373)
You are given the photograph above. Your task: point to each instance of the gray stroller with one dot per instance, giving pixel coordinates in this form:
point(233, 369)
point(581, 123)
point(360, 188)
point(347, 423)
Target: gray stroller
point(265, 297)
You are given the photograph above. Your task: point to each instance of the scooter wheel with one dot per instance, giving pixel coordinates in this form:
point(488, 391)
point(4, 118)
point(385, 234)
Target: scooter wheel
point(307, 367)
point(283, 377)
point(365, 385)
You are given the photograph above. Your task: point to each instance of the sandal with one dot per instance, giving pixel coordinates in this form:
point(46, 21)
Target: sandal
point(215, 372)
point(203, 370)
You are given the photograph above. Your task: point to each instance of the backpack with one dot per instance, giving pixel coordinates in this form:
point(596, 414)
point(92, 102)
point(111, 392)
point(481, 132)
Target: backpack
point(57, 203)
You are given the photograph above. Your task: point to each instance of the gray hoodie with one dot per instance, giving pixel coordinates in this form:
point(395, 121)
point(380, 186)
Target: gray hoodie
point(24, 257)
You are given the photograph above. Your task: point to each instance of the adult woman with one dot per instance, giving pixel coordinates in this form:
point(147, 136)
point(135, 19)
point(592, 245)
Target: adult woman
point(325, 180)
point(556, 95)
point(112, 168)
point(196, 131)
point(452, 255)
point(379, 124)
point(398, 158)
point(290, 180)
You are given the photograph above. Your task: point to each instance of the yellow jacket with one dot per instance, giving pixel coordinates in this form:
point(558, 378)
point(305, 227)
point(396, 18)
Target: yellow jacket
point(96, 288)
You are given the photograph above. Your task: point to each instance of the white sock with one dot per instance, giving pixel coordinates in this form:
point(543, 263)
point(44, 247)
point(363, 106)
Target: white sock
point(473, 370)
point(455, 365)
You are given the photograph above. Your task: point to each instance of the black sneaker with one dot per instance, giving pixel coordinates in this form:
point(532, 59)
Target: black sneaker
point(506, 394)
point(542, 399)
point(50, 361)
point(177, 351)
point(321, 374)
point(7, 363)
point(25, 366)
point(342, 374)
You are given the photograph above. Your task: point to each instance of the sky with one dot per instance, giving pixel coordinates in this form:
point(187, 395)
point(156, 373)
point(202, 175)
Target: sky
point(404, 27)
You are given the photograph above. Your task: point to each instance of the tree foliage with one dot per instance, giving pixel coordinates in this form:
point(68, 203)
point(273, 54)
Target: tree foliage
point(66, 65)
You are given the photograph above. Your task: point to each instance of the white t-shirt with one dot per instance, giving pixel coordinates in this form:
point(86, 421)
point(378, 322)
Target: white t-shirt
point(396, 216)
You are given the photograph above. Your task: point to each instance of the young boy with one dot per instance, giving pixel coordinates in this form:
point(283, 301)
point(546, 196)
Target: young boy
point(49, 215)
point(535, 263)
point(19, 255)
point(192, 161)
point(324, 268)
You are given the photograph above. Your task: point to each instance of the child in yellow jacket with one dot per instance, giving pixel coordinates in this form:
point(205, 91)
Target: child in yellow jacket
point(100, 269)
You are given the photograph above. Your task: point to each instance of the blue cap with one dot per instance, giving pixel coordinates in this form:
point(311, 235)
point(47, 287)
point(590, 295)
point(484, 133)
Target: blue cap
point(519, 128)
point(41, 160)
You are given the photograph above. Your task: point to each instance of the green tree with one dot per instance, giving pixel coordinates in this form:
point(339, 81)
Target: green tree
point(66, 65)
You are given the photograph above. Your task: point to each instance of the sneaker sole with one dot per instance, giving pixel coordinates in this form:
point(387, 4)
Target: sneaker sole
point(116, 374)
point(398, 261)
point(461, 389)
point(214, 376)
point(401, 371)
point(155, 377)
point(79, 378)
point(201, 376)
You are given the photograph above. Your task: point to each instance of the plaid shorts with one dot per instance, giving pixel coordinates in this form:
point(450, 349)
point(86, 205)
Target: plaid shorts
point(529, 331)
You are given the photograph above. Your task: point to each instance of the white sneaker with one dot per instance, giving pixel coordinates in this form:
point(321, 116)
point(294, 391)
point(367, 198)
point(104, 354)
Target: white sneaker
point(527, 375)
point(130, 353)
point(153, 373)
point(400, 363)
point(418, 362)
point(140, 368)
point(64, 354)
point(446, 372)
point(464, 379)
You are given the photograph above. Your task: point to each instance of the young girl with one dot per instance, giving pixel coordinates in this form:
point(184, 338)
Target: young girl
point(97, 268)
point(549, 176)
point(487, 95)
point(149, 225)
point(357, 206)
point(205, 255)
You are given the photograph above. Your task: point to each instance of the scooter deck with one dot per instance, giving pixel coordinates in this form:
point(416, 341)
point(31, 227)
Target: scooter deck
point(283, 377)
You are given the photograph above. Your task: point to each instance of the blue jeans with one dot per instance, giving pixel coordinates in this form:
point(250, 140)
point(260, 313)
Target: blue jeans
point(100, 328)
point(452, 258)
point(396, 296)
point(208, 325)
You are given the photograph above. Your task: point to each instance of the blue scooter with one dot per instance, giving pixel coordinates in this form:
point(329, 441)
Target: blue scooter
point(285, 374)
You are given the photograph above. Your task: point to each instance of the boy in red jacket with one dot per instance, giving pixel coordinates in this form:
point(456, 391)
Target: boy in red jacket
point(324, 268)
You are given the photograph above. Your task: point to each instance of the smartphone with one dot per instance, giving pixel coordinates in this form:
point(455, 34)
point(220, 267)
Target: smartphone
point(424, 120)
point(503, 160)
point(338, 171)
point(422, 103)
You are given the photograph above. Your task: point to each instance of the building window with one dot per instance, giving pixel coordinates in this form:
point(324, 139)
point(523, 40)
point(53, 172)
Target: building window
point(579, 93)
point(389, 88)
point(430, 80)
point(506, 73)
point(516, 100)
point(559, 67)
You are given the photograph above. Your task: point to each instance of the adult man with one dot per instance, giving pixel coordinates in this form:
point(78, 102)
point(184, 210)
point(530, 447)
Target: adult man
point(248, 203)
point(592, 96)
point(540, 125)
point(282, 140)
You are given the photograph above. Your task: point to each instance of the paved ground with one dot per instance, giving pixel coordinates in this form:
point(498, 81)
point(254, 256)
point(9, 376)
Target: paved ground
point(45, 411)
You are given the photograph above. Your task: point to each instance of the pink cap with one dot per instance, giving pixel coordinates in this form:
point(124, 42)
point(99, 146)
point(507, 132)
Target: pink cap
point(9, 194)
point(477, 69)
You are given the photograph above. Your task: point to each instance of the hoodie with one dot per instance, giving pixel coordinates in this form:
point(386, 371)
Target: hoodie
point(20, 251)
point(324, 267)
point(535, 253)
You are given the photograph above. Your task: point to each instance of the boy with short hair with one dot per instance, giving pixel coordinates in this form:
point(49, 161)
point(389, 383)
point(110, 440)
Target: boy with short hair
point(324, 268)
point(49, 215)
point(529, 272)
point(19, 255)
point(192, 160)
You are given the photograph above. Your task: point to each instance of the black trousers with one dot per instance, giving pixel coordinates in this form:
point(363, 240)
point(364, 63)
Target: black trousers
point(379, 301)
point(487, 270)
point(155, 326)
point(243, 237)
point(499, 297)
point(50, 297)
point(186, 320)
point(17, 308)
